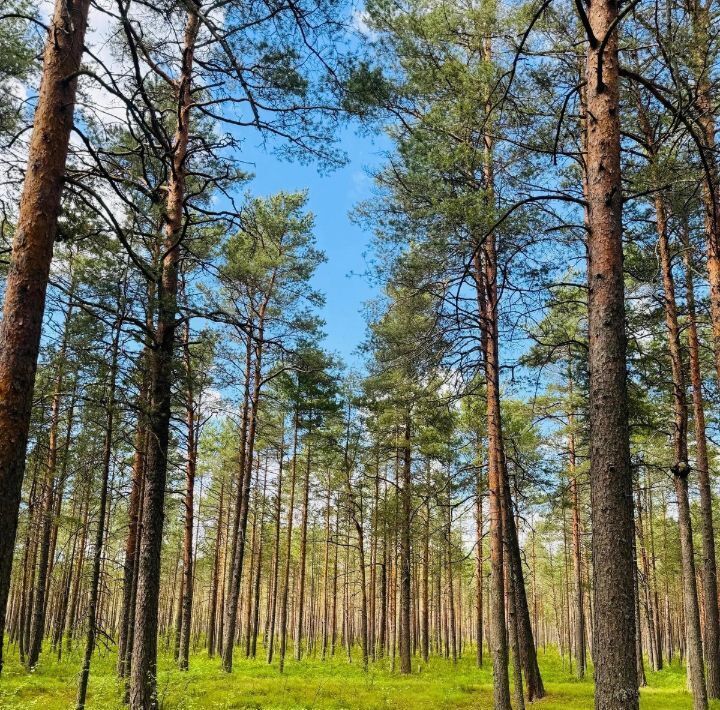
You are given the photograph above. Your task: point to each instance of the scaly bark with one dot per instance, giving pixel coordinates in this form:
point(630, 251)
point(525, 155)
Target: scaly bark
point(27, 279)
point(702, 46)
point(143, 682)
point(610, 476)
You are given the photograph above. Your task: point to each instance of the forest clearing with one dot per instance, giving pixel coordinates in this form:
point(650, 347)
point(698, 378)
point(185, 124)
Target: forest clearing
point(332, 685)
point(359, 354)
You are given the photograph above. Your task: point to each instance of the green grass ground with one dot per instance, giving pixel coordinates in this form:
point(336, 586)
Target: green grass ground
point(312, 684)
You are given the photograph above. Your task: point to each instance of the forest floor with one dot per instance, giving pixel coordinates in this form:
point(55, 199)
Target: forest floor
point(311, 683)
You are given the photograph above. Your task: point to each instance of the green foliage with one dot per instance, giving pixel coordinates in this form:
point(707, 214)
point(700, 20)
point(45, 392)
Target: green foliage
point(17, 54)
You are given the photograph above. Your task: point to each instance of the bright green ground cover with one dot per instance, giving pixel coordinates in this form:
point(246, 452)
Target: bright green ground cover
point(312, 684)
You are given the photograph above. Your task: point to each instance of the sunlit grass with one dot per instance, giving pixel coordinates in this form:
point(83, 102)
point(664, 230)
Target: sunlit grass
point(312, 683)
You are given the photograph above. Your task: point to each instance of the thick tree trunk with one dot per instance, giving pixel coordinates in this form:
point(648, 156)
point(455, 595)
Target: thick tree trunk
point(26, 282)
point(143, 681)
point(610, 476)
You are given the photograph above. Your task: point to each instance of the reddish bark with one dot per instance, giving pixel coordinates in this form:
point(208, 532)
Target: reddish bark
point(29, 270)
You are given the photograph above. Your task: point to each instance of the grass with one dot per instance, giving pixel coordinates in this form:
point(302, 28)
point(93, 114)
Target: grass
point(311, 683)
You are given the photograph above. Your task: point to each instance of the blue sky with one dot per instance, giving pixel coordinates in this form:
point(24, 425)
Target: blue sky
point(331, 197)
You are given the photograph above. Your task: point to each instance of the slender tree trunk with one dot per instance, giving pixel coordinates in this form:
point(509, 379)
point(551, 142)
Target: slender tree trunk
point(326, 582)
point(405, 492)
point(425, 582)
point(258, 576)
point(100, 534)
point(479, 567)
point(355, 511)
point(303, 556)
point(452, 625)
point(696, 671)
point(577, 545)
point(639, 660)
point(37, 628)
point(652, 631)
point(189, 503)
point(132, 541)
point(498, 631)
point(227, 639)
point(680, 467)
point(241, 528)
point(288, 553)
point(382, 640)
point(74, 600)
point(333, 615)
point(276, 553)
point(709, 568)
point(212, 613)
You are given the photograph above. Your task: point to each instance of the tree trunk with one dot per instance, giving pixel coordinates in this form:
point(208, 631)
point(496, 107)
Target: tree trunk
point(288, 553)
point(190, 468)
point(276, 553)
point(143, 694)
point(303, 555)
point(709, 568)
point(577, 548)
point(498, 631)
point(258, 576)
point(479, 567)
point(233, 587)
point(696, 673)
point(405, 492)
point(680, 467)
point(214, 588)
point(425, 581)
point(26, 282)
point(241, 527)
point(100, 534)
point(610, 477)
point(37, 629)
